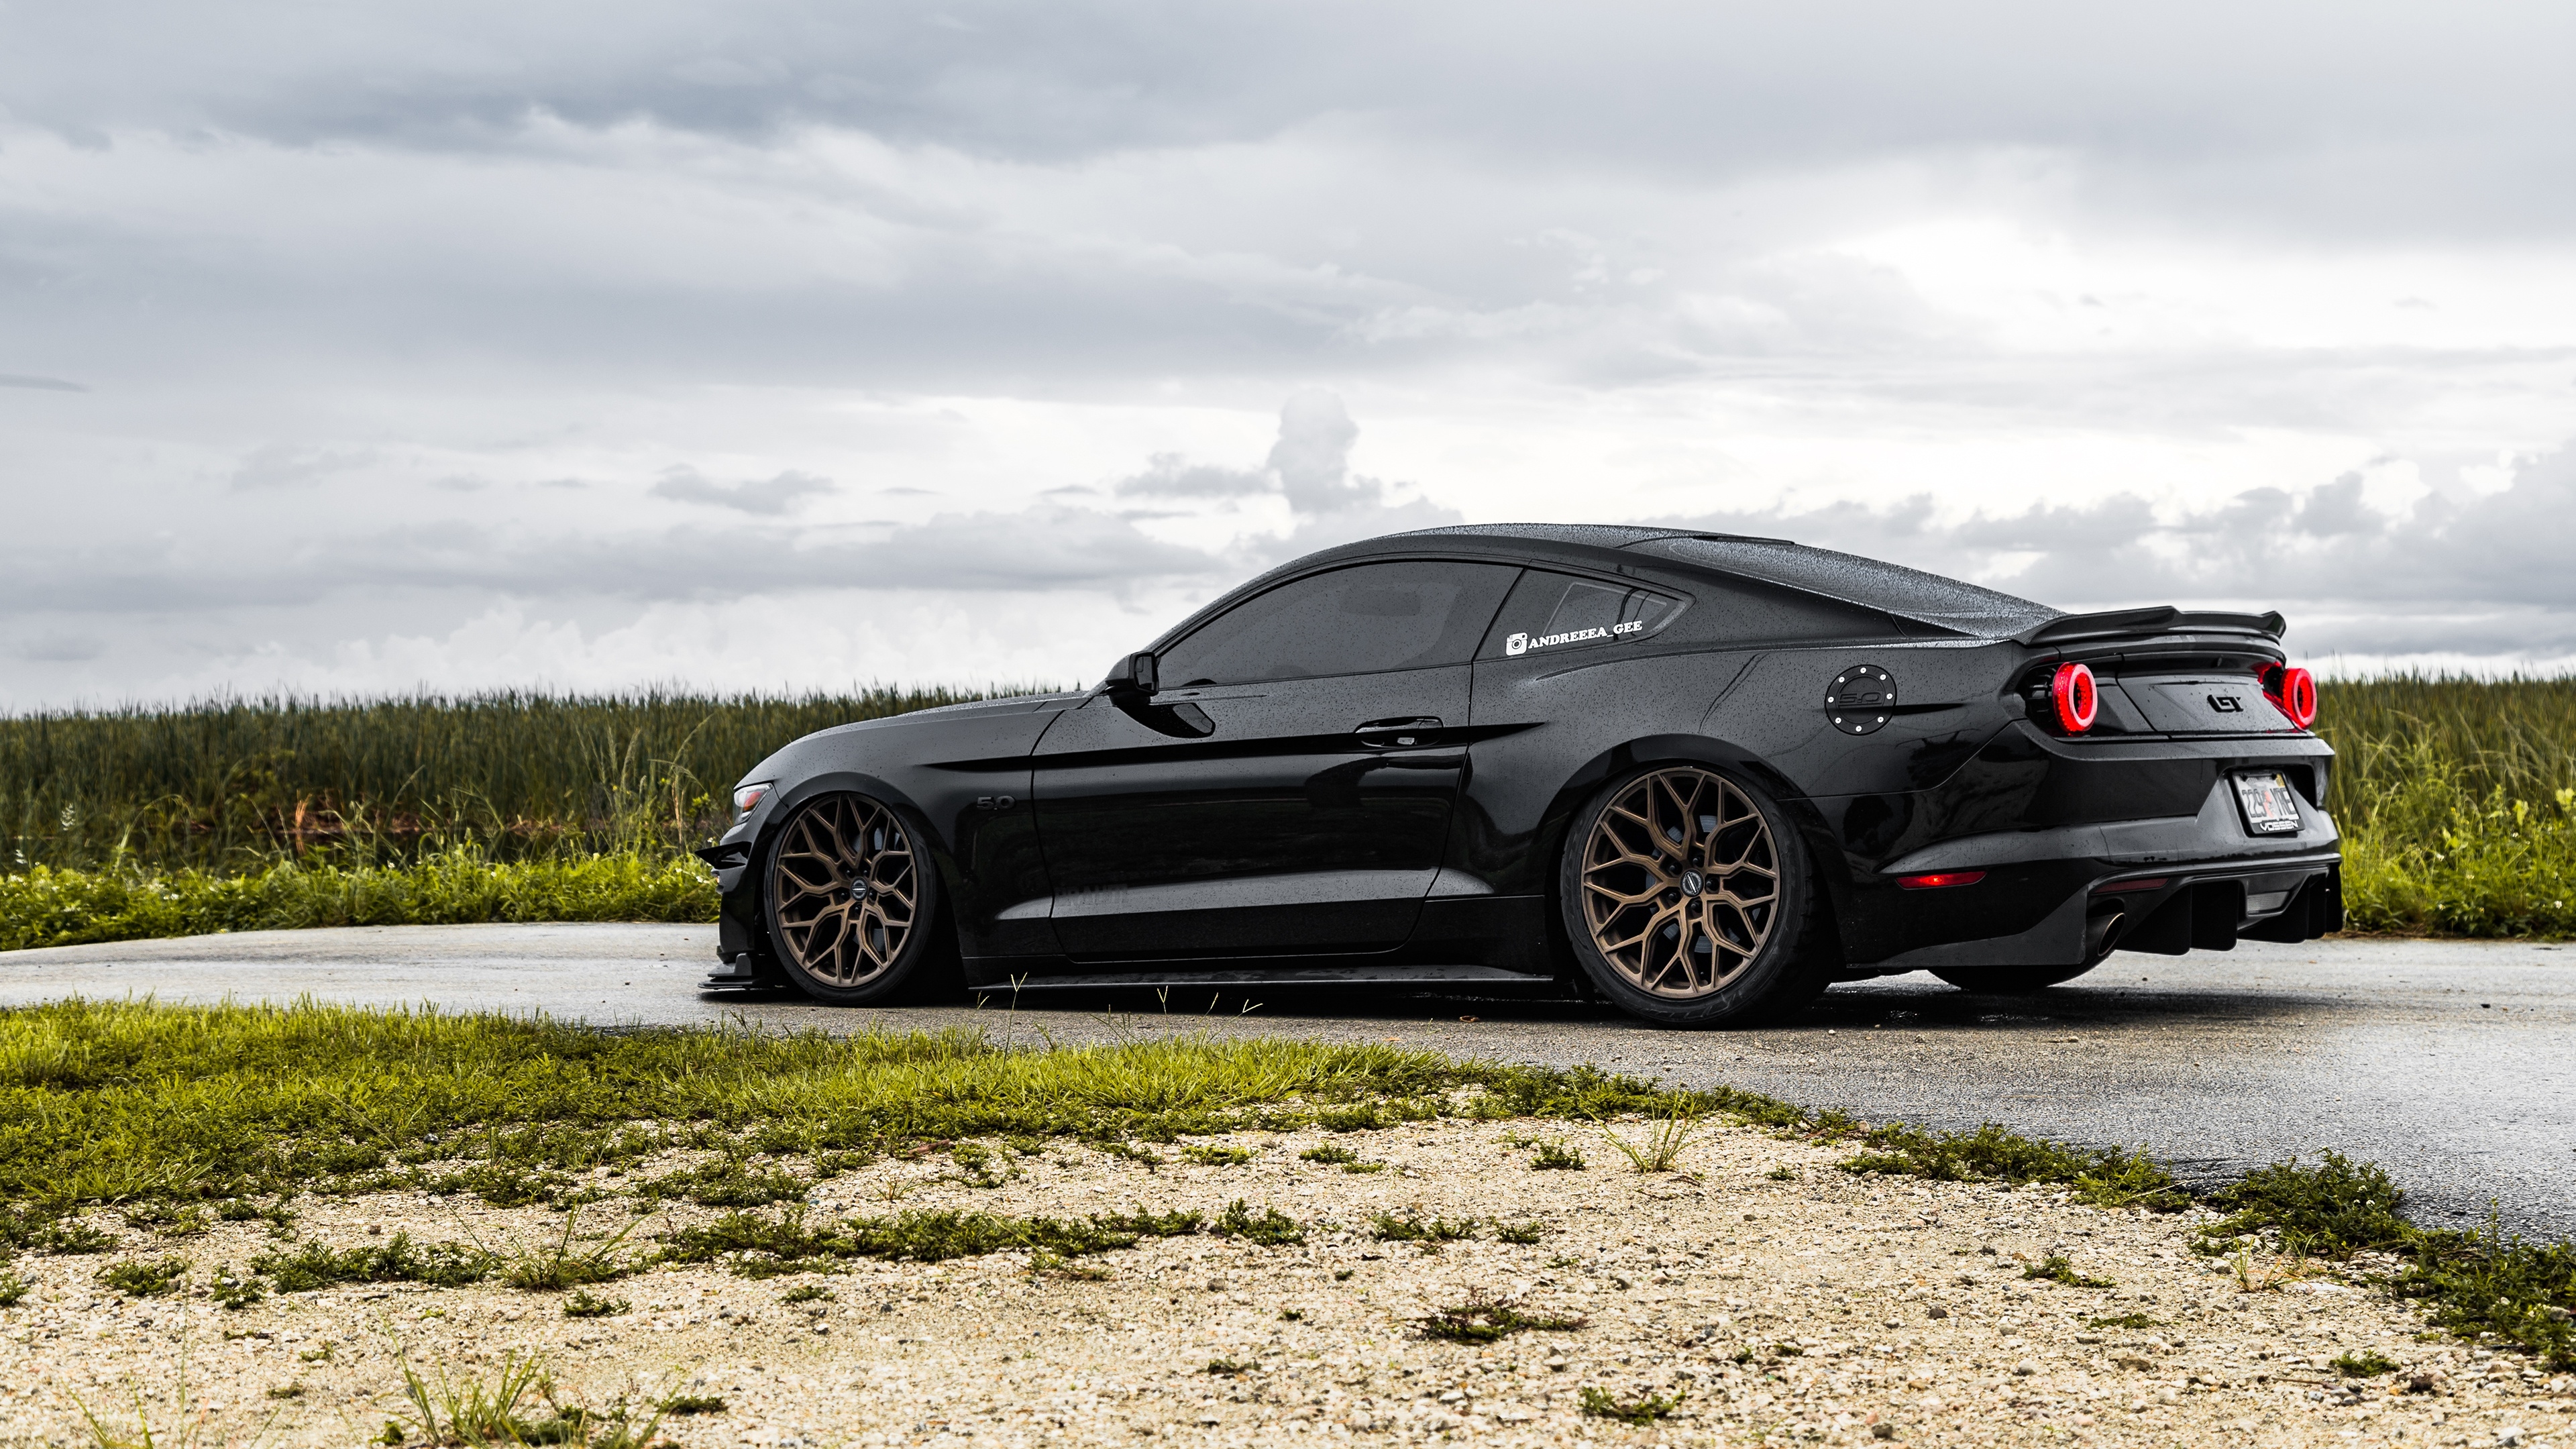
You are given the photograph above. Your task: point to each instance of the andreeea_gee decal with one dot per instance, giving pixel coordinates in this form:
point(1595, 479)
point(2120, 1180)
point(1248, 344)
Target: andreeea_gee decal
point(1519, 644)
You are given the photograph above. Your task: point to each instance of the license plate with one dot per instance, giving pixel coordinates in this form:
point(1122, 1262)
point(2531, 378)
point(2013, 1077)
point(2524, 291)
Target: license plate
point(2270, 808)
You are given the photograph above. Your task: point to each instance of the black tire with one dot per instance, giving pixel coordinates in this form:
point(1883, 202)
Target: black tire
point(852, 903)
point(1724, 925)
point(2011, 980)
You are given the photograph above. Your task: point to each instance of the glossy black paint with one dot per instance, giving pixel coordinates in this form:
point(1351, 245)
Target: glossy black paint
point(1269, 800)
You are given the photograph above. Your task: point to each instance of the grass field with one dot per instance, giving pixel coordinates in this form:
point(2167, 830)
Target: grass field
point(171, 1114)
point(2457, 799)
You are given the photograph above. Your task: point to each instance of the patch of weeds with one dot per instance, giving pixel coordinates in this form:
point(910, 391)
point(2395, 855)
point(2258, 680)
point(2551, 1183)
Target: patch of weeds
point(144, 1279)
point(1292, 1315)
point(13, 1290)
point(1229, 1366)
point(1788, 1350)
point(236, 1290)
point(1782, 1173)
point(1640, 1411)
point(1481, 1320)
point(1026, 1145)
point(320, 1353)
point(2332, 1210)
point(1565, 1260)
point(1343, 1275)
point(1365, 1118)
point(1662, 1149)
point(977, 1160)
point(581, 1304)
point(396, 1260)
point(729, 1182)
point(563, 1266)
point(502, 1184)
point(1136, 1152)
point(1055, 1266)
point(475, 1412)
point(1391, 1228)
point(2103, 1177)
point(806, 1293)
point(2261, 1277)
point(2363, 1365)
point(1560, 1159)
point(1522, 1233)
point(1270, 1228)
point(75, 1239)
point(2056, 1268)
point(681, 1405)
point(2125, 1320)
point(287, 1391)
point(2490, 1282)
point(762, 1248)
point(1332, 1154)
point(1212, 1156)
point(833, 1164)
point(1363, 1168)
point(167, 1221)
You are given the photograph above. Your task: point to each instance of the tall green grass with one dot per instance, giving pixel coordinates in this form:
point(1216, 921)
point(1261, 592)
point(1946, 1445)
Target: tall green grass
point(2457, 798)
point(238, 784)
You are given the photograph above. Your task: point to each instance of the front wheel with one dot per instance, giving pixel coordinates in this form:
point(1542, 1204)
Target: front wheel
point(1689, 901)
point(853, 901)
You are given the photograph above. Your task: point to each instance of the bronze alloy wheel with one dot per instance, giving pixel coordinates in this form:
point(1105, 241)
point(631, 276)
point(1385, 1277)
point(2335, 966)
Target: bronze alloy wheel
point(843, 889)
point(1681, 883)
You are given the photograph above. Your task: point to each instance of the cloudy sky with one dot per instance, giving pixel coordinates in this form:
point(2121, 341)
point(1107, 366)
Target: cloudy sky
point(781, 344)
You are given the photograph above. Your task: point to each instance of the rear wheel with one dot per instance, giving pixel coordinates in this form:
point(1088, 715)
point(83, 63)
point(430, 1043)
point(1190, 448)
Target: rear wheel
point(1689, 900)
point(852, 901)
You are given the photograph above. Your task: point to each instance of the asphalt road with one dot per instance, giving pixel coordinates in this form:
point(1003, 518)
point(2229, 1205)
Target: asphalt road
point(2452, 1064)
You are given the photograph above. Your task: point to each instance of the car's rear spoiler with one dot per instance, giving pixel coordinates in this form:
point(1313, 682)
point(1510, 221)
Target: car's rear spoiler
point(2141, 623)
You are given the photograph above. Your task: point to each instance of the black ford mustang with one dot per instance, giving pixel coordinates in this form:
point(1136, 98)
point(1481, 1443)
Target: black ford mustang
point(1700, 776)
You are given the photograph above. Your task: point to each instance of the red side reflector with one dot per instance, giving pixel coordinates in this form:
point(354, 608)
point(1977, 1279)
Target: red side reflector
point(2116, 887)
point(2077, 699)
point(1940, 878)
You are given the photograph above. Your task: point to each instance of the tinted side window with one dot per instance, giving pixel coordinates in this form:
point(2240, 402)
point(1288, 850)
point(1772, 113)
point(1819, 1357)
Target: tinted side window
point(1551, 613)
point(1357, 620)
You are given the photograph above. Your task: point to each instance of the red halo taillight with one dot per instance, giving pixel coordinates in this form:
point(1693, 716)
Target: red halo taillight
point(2077, 699)
point(2293, 691)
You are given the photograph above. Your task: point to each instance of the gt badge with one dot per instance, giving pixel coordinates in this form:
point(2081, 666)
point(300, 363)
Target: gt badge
point(1859, 699)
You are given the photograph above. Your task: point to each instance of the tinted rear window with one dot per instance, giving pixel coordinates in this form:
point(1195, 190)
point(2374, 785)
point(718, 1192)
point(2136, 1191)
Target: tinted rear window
point(1551, 613)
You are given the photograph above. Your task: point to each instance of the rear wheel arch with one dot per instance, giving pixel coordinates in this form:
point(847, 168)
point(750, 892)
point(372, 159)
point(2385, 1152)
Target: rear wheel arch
point(1803, 927)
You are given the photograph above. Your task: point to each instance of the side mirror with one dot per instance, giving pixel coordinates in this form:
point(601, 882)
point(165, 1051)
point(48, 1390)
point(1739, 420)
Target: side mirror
point(1137, 677)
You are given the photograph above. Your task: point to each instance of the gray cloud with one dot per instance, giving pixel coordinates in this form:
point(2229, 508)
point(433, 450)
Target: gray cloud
point(2476, 573)
point(280, 466)
point(2395, 116)
point(766, 496)
point(1309, 469)
point(325, 278)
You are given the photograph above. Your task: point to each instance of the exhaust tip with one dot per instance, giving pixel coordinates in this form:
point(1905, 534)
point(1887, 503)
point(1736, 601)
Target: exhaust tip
point(2102, 933)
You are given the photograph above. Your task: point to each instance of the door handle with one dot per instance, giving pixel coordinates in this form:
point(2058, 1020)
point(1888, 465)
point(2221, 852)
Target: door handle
point(1397, 734)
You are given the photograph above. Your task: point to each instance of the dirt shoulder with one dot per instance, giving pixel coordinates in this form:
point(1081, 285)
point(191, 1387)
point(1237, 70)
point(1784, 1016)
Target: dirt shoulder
point(1760, 1294)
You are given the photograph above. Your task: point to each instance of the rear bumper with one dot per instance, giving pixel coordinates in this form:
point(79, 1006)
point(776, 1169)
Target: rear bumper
point(2182, 908)
point(2063, 895)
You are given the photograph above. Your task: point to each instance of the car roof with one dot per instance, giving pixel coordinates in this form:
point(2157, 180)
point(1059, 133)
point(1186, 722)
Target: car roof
point(1871, 583)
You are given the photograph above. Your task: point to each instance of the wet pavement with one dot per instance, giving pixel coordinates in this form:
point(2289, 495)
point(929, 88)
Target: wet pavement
point(2452, 1064)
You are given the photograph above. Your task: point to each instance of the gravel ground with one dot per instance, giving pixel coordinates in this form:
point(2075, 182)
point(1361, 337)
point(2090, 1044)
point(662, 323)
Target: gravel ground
point(1782, 1299)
